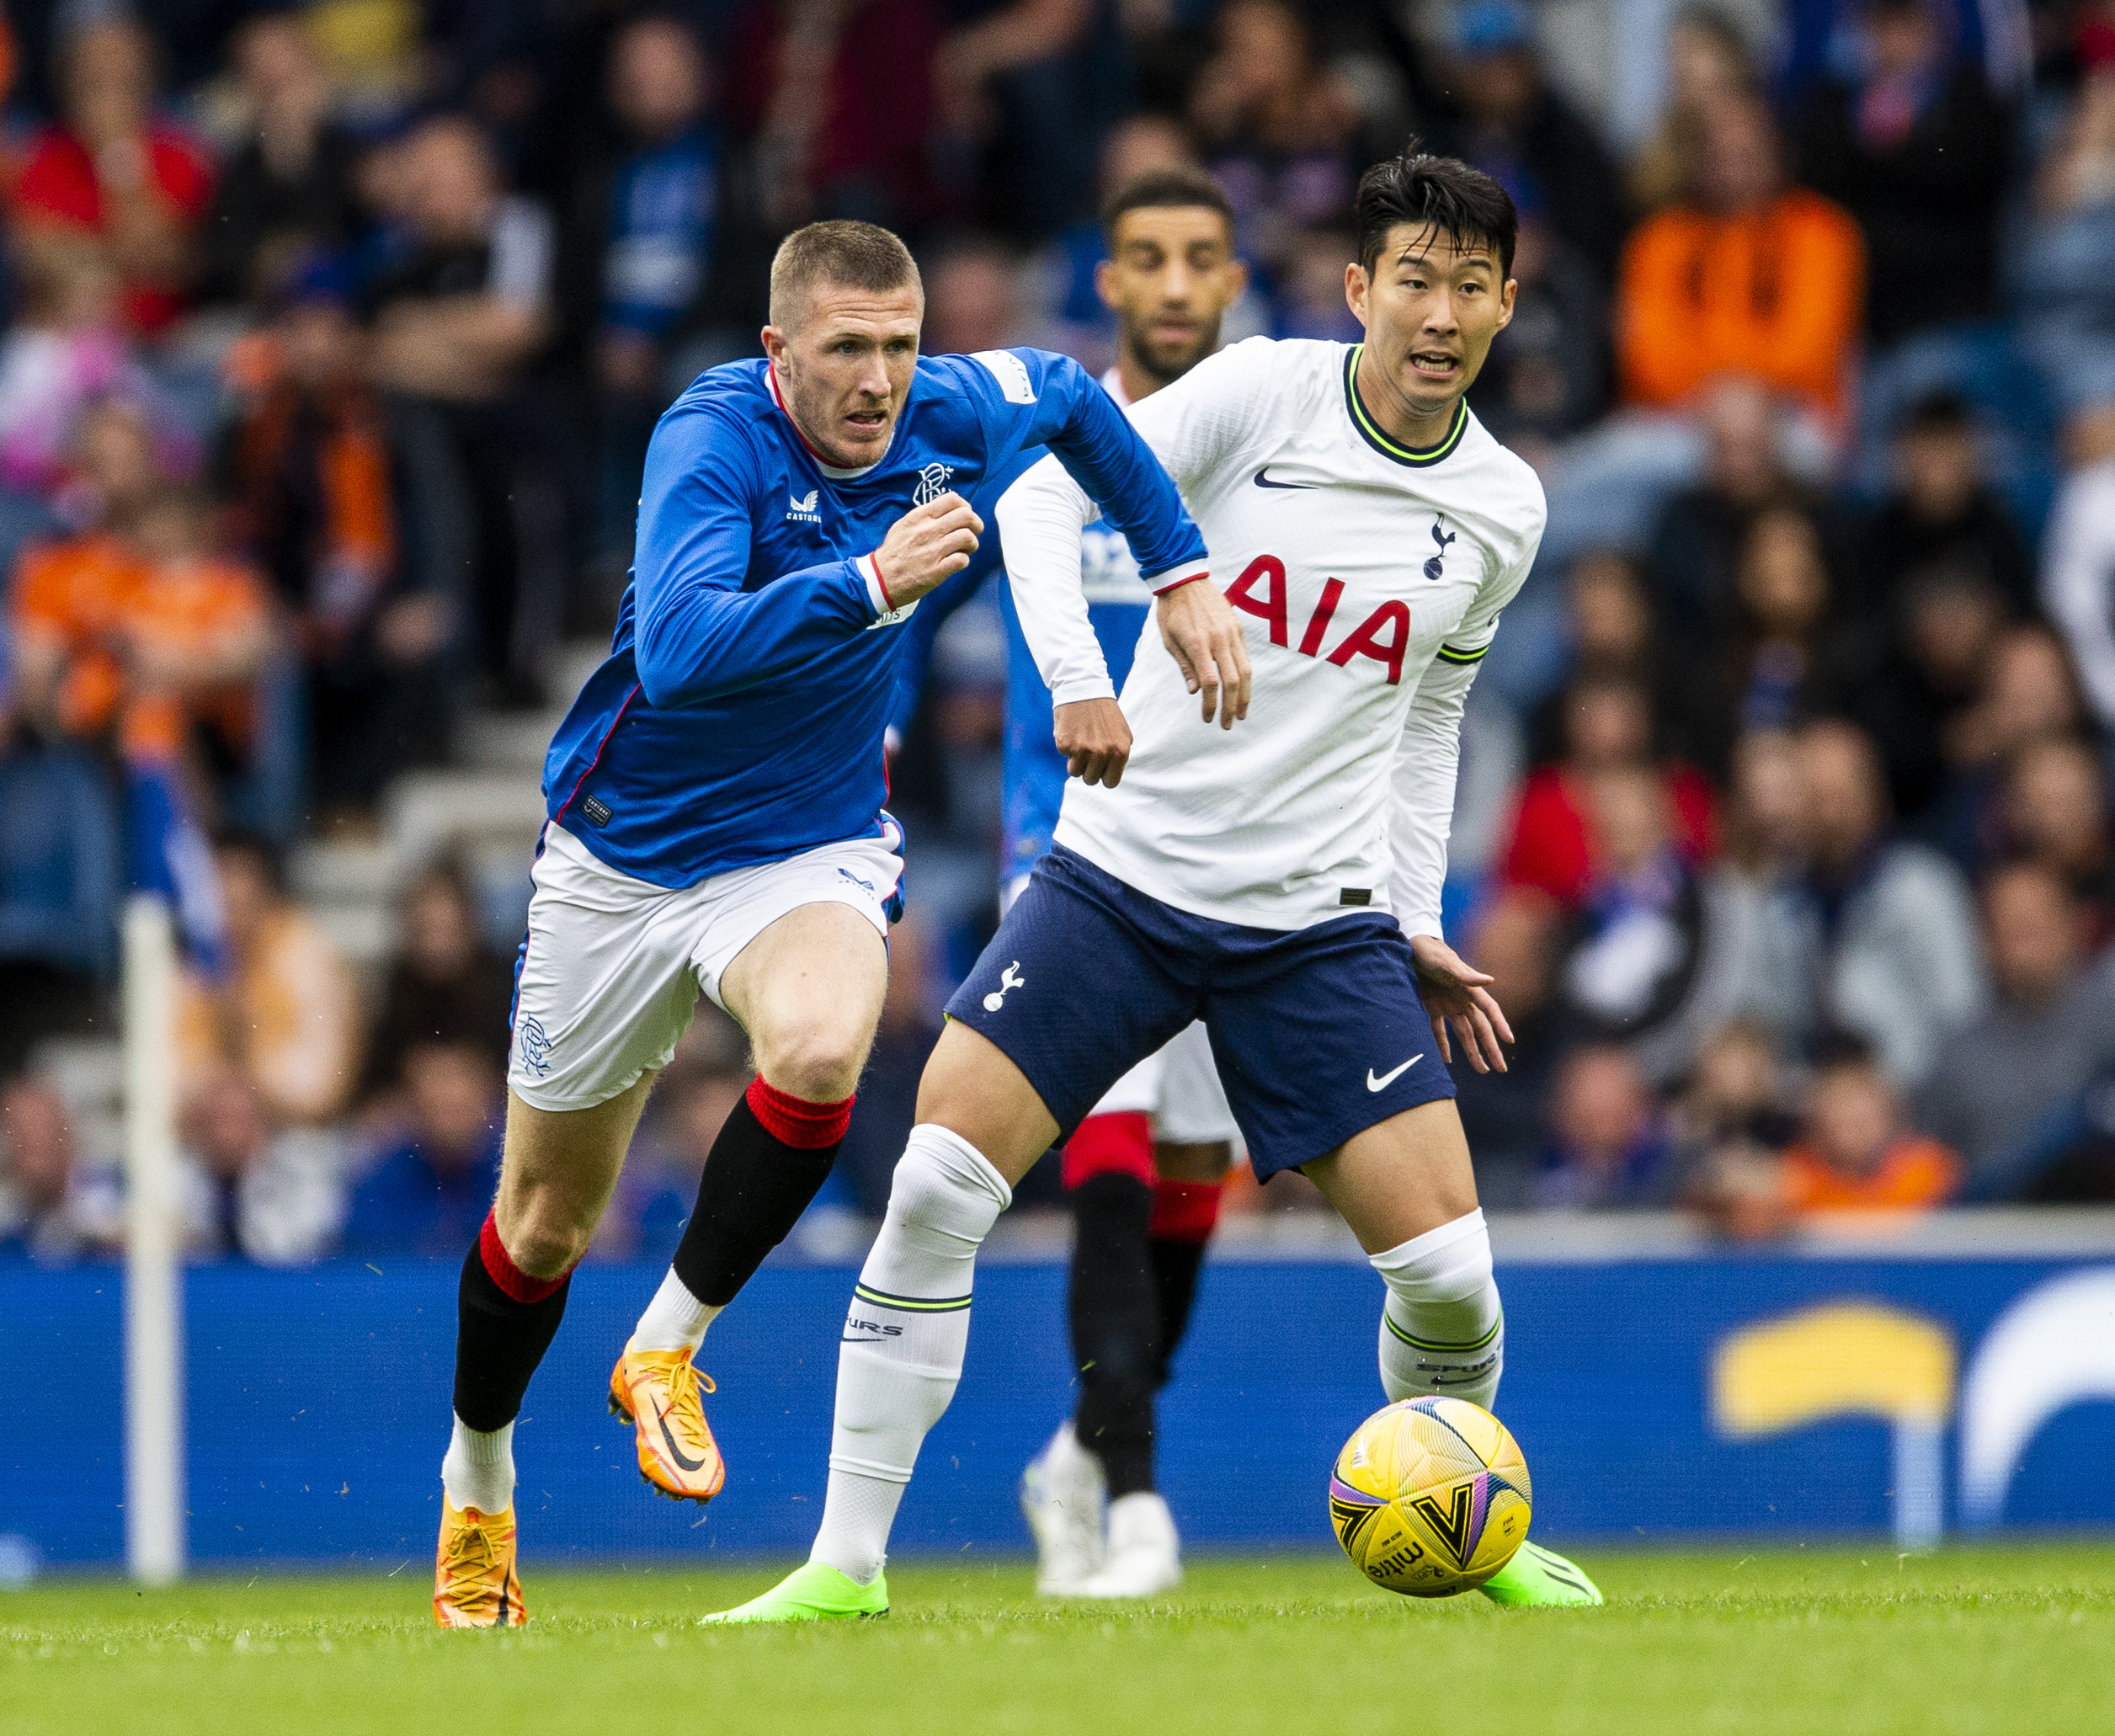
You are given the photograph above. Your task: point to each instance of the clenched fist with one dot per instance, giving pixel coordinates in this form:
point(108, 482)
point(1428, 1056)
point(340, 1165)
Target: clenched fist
point(928, 545)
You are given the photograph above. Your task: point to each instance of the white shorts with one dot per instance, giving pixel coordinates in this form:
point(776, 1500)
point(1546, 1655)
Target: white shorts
point(1178, 1085)
point(613, 966)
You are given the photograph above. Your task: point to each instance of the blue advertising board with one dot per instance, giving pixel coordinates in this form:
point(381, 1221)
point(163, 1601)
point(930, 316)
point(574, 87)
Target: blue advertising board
point(1655, 1398)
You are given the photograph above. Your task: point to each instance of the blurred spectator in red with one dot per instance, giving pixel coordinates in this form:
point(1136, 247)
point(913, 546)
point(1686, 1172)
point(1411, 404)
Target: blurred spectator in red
point(250, 1193)
point(2078, 556)
point(444, 985)
point(1857, 1153)
point(1607, 724)
point(1878, 938)
point(639, 232)
point(461, 293)
point(1709, 63)
point(110, 171)
point(285, 1016)
point(315, 474)
point(1941, 511)
point(1508, 121)
point(836, 102)
point(1278, 130)
point(432, 1188)
point(48, 1210)
point(1609, 1149)
point(287, 190)
point(1916, 146)
point(1745, 276)
point(2055, 815)
point(2048, 1033)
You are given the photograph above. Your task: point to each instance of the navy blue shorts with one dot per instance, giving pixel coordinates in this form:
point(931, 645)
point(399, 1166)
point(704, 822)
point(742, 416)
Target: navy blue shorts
point(1318, 1033)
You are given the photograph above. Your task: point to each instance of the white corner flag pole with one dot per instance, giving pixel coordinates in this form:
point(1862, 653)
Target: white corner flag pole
point(154, 1491)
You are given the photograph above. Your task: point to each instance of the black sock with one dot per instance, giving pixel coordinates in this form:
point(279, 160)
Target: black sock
point(498, 1343)
point(1115, 1328)
point(755, 1189)
point(1175, 1266)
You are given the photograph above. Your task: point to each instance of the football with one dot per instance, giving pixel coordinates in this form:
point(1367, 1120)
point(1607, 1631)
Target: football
point(1430, 1497)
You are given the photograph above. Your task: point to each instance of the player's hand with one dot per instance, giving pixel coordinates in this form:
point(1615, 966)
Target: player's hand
point(1198, 628)
point(927, 546)
point(1095, 739)
point(1454, 994)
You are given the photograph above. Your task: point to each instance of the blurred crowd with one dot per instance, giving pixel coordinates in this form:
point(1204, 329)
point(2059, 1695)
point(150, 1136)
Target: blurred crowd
point(334, 334)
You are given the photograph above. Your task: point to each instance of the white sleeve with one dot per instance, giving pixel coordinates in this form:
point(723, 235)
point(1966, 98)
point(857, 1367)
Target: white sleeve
point(1202, 421)
point(2078, 582)
point(1040, 518)
point(1422, 810)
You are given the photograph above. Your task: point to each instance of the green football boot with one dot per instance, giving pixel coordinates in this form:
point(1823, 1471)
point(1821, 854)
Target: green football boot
point(813, 1593)
point(1536, 1578)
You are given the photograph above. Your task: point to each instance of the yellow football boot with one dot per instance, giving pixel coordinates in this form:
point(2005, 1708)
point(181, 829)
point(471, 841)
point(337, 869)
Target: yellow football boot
point(474, 1581)
point(657, 1392)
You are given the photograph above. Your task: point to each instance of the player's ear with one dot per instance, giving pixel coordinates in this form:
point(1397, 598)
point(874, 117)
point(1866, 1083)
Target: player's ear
point(1237, 280)
point(1506, 297)
point(1105, 282)
point(1356, 286)
point(775, 345)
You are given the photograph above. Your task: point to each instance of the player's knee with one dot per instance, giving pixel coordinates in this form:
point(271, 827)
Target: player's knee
point(547, 1244)
point(818, 1060)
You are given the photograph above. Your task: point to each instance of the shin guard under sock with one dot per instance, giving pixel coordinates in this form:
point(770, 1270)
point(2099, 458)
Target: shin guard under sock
point(1441, 1328)
point(771, 1157)
point(505, 1322)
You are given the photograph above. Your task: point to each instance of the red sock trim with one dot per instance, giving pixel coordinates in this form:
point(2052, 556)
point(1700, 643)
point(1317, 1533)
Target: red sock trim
point(1184, 1211)
point(1119, 1144)
point(509, 1276)
point(794, 1121)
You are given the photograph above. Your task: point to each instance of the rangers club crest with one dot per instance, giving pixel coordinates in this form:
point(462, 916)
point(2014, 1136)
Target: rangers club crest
point(932, 483)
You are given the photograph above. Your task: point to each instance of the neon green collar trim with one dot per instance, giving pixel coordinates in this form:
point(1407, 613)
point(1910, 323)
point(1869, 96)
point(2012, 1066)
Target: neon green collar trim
point(1379, 441)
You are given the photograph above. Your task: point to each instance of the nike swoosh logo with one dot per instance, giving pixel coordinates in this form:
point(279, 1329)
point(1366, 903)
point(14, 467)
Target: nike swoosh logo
point(675, 1452)
point(1263, 481)
point(1390, 1077)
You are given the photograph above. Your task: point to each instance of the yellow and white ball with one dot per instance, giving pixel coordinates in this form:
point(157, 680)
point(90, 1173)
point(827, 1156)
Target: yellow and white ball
point(1430, 1497)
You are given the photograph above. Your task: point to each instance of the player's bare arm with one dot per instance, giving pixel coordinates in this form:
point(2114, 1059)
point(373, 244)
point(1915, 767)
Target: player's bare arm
point(1198, 626)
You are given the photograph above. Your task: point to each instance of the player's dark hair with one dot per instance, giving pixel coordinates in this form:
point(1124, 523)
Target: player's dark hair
point(1164, 189)
point(852, 255)
point(1435, 193)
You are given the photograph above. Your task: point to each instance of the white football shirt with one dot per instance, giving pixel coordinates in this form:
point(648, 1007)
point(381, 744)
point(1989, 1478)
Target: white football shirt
point(1370, 579)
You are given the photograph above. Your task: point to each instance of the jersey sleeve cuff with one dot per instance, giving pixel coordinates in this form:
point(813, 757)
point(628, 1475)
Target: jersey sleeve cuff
point(1082, 687)
point(1176, 581)
point(870, 569)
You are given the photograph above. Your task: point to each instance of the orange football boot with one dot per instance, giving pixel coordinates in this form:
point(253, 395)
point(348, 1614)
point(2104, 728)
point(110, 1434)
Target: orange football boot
point(474, 1581)
point(657, 1392)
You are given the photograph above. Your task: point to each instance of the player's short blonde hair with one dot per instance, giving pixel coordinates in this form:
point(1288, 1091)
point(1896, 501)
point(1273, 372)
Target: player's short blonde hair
point(854, 255)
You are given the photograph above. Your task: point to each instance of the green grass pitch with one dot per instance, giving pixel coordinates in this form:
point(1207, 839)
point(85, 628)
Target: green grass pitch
point(1802, 1641)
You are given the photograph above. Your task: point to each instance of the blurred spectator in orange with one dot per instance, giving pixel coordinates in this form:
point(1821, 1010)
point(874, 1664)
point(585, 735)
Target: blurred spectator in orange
point(50, 1210)
point(461, 293)
point(287, 1016)
point(2055, 814)
point(1507, 119)
point(836, 102)
point(1917, 147)
point(111, 171)
point(1709, 62)
point(287, 191)
point(1856, 1152)
point(444, 985)
point(315, 473)
point(1942, 510)
point(1607, 724)
point(251, 1193)
point(2078, 551)
point(1609, 1149)
point(1745, 276)
point(2048, 1032)
point(432, 1187)
point(1278, 130)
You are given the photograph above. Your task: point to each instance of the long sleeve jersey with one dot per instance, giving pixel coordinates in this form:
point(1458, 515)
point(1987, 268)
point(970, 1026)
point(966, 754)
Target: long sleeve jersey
point(739, 718)
point(1370, 579)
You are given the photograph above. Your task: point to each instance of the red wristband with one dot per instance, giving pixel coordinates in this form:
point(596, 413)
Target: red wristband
point(881, 583)
point(1163, 590)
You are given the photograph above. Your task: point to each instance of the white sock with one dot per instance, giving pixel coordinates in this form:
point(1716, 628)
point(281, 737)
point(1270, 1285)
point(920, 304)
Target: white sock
point(674, 1320)
point(1441, 1328)
point(479, 1469)
point(902, 1353)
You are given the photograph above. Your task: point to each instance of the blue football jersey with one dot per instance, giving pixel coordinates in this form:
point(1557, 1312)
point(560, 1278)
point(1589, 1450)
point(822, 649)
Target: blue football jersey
point(739, 716)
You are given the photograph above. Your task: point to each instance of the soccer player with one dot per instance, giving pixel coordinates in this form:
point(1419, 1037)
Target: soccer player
point(1283, 882)
point(715, 823)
